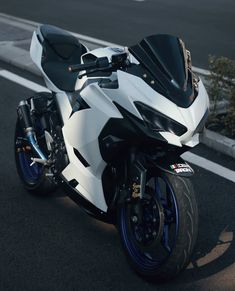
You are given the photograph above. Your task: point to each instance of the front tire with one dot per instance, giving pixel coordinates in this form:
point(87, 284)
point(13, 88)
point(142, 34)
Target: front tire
point(154, 248)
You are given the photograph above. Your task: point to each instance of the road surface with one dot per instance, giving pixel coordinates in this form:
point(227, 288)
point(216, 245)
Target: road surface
point(50, 244)
point(206, 26)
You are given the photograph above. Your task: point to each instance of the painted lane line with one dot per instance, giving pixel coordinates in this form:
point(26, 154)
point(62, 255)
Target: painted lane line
point(209, 166)
point(32, 25)
point(24, 23)
point(22, 81)
point(190, 157)
point(95, 41)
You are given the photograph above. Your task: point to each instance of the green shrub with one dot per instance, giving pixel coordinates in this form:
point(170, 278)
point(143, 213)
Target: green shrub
point(230, 117)
point(222, 85)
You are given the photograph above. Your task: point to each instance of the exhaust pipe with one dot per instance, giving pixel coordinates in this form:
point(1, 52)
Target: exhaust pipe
point(26, 123)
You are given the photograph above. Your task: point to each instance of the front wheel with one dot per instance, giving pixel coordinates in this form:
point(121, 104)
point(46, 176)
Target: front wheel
point(158, 232)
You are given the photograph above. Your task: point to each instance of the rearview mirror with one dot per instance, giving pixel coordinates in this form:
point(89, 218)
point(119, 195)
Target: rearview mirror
point(119, 59)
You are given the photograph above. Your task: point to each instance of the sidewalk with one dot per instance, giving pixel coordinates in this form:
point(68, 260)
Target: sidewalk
point(15, 41)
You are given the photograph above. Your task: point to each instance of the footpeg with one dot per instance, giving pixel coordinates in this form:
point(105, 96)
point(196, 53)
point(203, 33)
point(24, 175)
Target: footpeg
point(40, 161)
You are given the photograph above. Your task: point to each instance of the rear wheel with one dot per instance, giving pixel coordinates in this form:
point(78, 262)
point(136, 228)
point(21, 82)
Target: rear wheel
point(35, 177)
point(158, 232)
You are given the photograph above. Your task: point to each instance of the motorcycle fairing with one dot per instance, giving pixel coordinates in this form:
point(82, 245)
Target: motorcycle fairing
point(82, 129)
point(139, 91)
point(165, 59)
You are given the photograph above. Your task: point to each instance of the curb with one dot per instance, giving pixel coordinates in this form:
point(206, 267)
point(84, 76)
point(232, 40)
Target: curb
point(218, 142)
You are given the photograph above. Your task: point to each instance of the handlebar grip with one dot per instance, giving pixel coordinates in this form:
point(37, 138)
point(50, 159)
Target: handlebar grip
point(81, 67)
point(99, 63)
point(73, 68)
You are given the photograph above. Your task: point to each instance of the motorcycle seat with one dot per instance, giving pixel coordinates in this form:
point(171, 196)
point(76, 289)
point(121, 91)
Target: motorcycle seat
point(60, 50)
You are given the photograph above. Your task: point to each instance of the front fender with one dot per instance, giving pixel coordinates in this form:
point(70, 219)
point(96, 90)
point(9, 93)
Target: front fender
point(173, 164)
point(138, 172)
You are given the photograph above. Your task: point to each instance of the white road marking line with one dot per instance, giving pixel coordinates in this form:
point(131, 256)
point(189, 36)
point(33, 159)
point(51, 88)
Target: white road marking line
point(190, 157)
point(15, 21)
point(22, 81)
point(32, 25)
point(210, 166)
point(96, 41)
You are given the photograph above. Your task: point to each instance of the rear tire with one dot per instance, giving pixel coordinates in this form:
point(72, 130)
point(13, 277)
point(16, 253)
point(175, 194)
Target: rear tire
point(160, 260)
point(34, 178)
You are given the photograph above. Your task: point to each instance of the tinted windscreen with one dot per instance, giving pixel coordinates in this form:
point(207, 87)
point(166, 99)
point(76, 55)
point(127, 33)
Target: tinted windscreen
point(162, 66)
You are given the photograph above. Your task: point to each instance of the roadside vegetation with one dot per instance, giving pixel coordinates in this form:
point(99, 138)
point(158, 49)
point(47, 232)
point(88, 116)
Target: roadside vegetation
point(222, 88)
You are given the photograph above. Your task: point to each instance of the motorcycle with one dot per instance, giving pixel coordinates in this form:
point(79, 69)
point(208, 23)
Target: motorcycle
point(112, 132)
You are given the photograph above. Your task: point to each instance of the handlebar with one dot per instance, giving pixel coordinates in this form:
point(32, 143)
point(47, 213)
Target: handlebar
point(117, 61)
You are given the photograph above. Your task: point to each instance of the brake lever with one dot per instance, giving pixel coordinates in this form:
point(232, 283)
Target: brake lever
point(95, 70)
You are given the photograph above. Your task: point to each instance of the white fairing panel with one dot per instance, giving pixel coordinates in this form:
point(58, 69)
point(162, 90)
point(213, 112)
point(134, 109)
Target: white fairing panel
point(132, 88)
point(81, 132)
point(194, 113)
point(36, 50)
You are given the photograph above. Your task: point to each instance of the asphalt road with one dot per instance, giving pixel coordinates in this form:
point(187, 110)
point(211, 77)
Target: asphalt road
point(50, 244)
point(206, 26)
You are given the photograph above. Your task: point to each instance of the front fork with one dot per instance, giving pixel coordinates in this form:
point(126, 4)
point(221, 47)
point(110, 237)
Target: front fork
point(145, 207)
point(139, 167)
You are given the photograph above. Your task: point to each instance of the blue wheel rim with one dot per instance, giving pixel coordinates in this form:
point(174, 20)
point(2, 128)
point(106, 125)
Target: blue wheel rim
point(31, 173)
point(145, 261)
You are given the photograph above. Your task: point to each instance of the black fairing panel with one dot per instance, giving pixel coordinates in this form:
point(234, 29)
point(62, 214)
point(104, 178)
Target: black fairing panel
point(162, 57)
point(120, 134)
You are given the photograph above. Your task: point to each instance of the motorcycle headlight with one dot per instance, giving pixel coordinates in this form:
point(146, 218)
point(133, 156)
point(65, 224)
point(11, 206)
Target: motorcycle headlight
point(158, 121)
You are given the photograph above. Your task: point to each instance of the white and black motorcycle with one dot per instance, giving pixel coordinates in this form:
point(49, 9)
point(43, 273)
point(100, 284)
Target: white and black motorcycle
point(112, 131)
